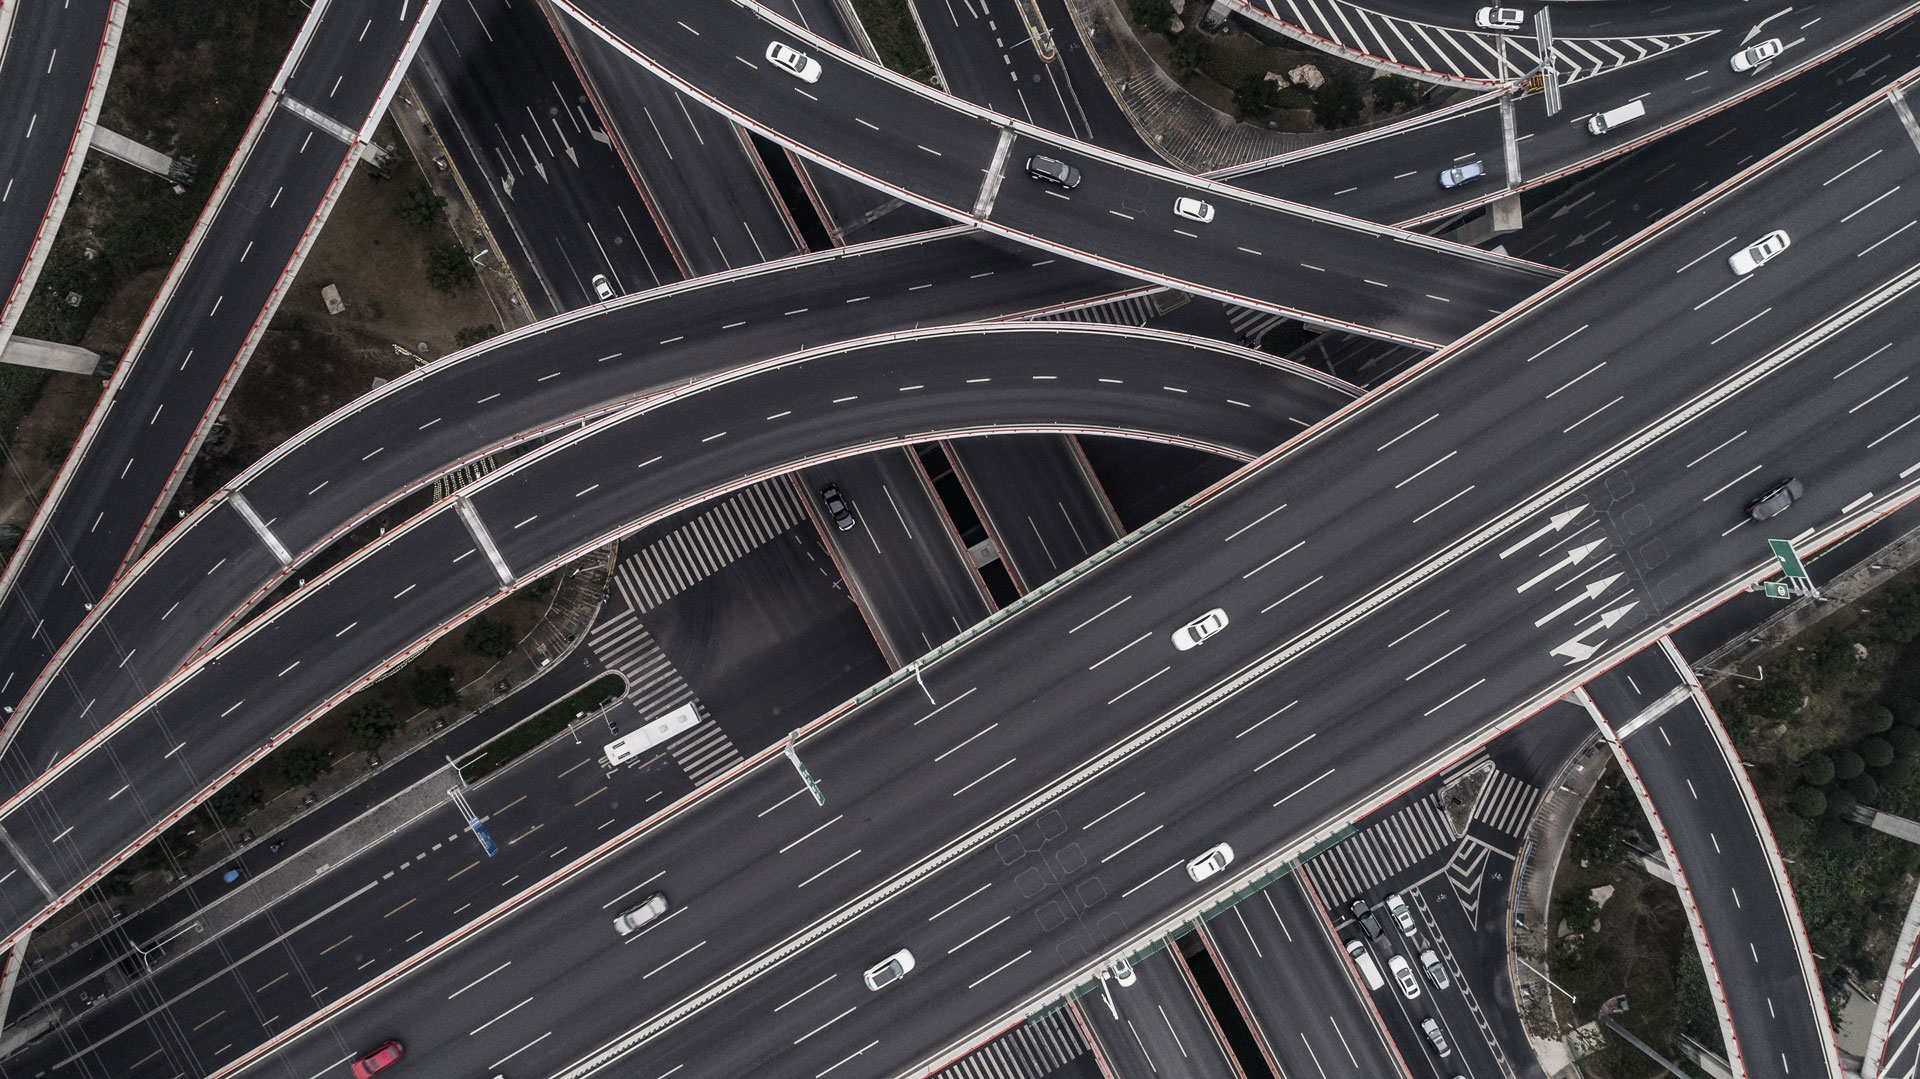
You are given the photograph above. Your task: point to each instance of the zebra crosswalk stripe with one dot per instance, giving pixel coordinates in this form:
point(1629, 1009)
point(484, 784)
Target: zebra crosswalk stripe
point(1507, 804)
point(707, 544)
point(1029, 1051)
point(1375, 854)
point(654, 687)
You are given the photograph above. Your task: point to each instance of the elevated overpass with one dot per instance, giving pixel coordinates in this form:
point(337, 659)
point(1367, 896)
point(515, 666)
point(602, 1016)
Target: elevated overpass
point(1398, 549)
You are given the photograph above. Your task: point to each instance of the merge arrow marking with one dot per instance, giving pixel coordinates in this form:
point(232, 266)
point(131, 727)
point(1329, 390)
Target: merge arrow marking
point(1577, 649)
point(1572, 558)
point(1592, 591)
point(1755, 32)
point(1554, 524)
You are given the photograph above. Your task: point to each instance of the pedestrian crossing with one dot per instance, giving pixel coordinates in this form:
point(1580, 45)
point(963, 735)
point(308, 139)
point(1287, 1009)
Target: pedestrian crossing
point(446, 485)
point(1031, 1050)
point(1129, 311)
point(1476, 55)
point(654, 688)
point(1251, 325)
point(1506, 804)
point(1375, 854)
point(707, 544)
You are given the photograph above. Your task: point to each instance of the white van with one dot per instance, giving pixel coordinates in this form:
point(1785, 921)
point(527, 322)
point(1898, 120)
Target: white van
point(1602, 122)
point(1363, 961)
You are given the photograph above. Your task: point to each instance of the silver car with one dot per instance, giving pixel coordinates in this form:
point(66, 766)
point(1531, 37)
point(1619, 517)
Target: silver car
point(1748, 259)
point(1749, 59)
point(1191, 634)
point(1462, 174)
point(889, 970)
point(1776, 500)
point(793, 62)
point(642, 915)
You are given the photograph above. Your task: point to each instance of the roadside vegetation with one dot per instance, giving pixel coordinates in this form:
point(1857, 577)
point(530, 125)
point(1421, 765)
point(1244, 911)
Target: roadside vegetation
point(896, 37)
point(537, 729)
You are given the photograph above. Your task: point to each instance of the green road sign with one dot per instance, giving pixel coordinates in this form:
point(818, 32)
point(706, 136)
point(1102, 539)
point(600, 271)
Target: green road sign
point(1776, 590)
point(1789, 562)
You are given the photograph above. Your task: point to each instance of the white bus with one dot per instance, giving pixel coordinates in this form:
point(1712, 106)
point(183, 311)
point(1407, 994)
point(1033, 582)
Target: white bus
point(628, 746)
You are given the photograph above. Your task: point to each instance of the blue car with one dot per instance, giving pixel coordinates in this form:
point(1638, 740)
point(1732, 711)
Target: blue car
point(1462, 174)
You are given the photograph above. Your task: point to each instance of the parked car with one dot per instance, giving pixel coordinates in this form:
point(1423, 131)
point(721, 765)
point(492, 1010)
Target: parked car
point(1213, 861)
point(1751, 58)
point(602, 288)
point(1193, 209)
point(1436, 1038)
point(1403, 973)
point(1748, 259)
point(379, 1060)
point(1191, 634)
point(1776, 500)
point(1436, 970)
point(1368, 920)
point(837, 507)
point(1462, 174)
point(1503, 19)
point(793, 62)
point(889, 970)
point(1402, 913)
point(1052, 171)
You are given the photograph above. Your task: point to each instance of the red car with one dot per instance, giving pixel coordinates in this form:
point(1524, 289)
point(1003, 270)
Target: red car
point(378, 1060)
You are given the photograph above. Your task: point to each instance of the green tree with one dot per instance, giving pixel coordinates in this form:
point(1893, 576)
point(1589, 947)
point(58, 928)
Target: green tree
point(489, 637)
point(1864, 787)
point(469, 336)
point(1847, 764)
point(1877, 752)
point(231, 803)
point(1878, 719)
point(1191, 51)
point(1776, 698)
point(300, 766)
point(448, 268)
point(432, 687)
point(1336, 104)
point(1832, 658)
point(372, 725)
point(1900, 612)
point(1152, 14)
point(1394, 93)
point(1905, 740)
point(1255, 97)
point(422, 207)
point(1809, 802)
point(1817, 769)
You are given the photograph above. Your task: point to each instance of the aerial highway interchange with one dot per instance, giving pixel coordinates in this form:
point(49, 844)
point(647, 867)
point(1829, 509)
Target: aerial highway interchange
point(1436, 561)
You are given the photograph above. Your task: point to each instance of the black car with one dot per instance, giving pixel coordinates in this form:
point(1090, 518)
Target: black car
point(1368, 920)
point(1053, 172)
point(1776, 500)
point(837, 507)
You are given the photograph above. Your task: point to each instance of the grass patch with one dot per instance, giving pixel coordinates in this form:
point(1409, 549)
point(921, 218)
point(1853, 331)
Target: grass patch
point(186, 81)
point(535, 730)
point(896, 37)
point(1836, 724)
point(19, 389)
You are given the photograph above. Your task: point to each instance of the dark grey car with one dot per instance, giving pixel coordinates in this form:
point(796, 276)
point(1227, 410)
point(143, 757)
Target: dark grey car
point(1776, 500)
point(1053, 172)
point(837, 507)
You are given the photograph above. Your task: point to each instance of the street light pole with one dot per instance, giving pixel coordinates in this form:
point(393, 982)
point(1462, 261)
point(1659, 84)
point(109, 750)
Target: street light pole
point(923, 684)
point(806, 777)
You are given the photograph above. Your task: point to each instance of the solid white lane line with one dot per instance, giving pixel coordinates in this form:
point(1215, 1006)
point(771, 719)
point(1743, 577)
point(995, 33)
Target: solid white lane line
point(962, 899)
point(1454, 698)
point(1716, 449)
point(1150, 880)
point(810, 835)
point(826, 1024)
point(1420, 627)
point(1142, 682)
point(1406, 432)
point(984, 977)
point(1090, 621)
point(807, 990)
point(964, 744)
point(1285, 751)
point(1444, 505)
point(480, 979)
point(1121, 649)
point(1004, 919)
point(1731, 482)
point(1891, 386)
point(1130, 845)
point(827, 870)
point(1697, 258)
point(1558, 343)
point(982, 779)
point(1297, 545)
point(1246, 526)
point(1264, 722)
point(1292, 594)
point(1430, 666)
point(1303, 787)
point(1450, 454)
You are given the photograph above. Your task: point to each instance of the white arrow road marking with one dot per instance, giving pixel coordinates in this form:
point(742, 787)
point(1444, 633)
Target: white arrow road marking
point(1755, 32)
point(1572, 559)
point(1577, 649)
point(1592, 591)
point(1554, 524)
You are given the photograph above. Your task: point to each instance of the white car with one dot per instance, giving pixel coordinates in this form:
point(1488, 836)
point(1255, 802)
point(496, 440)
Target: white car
point(1499, 18)
point(1123, 972)
point(1193, 209)
point(1199, 629)
point(1403, 973)
point(1402, 914)
point(1210, 863)
point(654, 907)
point(1748, 59)
point(602, 287)
point(796, 63)
point(1748, 259)
point(889, 970)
